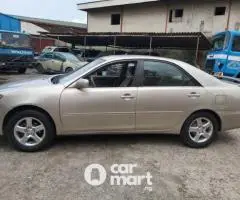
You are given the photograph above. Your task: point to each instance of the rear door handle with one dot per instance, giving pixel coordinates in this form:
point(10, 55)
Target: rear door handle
point(194, 94)
point(127, 97)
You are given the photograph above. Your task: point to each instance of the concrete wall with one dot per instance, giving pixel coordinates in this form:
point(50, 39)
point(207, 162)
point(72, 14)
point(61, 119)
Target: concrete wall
point(199, 17)
point(144, 17)
point(100, 20)
point(235, 16)
point(151, 17)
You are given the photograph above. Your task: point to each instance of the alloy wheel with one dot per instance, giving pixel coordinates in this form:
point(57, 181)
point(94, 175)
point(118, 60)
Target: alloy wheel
point(29, 131)
point(201, 130)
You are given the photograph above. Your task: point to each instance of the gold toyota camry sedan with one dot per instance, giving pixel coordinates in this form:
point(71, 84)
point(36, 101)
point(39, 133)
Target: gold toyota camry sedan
point(119, 94)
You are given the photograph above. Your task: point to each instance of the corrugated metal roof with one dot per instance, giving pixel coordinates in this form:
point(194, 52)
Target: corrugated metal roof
point(49, 21)
point(138, 40)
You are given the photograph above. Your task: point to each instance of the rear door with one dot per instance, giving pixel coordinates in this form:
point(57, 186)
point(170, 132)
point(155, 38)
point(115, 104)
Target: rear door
point(166, 97)
point(57, 63)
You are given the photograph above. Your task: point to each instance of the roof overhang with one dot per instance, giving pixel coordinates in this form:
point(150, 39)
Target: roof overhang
point(109, 3)
point(188, 41)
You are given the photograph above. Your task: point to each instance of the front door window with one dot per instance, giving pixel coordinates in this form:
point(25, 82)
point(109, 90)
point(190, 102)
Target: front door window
point(120, 74)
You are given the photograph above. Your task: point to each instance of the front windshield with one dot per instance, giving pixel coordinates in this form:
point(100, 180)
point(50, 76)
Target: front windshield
point(218, 42)
point(14, 40)
point(75, 74)
point(70, 56)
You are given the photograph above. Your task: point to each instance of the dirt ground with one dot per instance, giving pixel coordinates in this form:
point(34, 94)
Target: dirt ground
point(178, 172)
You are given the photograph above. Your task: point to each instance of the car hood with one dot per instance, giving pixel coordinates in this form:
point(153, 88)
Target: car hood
point(33, 82)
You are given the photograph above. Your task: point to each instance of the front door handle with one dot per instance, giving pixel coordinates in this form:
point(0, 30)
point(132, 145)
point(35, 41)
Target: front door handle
point(194, 95)
point(127, 97)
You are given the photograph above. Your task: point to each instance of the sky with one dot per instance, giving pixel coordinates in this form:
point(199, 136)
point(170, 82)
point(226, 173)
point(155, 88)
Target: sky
point(65, 10)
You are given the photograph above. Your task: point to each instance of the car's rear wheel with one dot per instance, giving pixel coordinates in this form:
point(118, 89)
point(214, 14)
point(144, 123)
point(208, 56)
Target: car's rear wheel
point(68, 70)
point(40, 68)
point(29, 131)
point(199, 130)
point(22, 70)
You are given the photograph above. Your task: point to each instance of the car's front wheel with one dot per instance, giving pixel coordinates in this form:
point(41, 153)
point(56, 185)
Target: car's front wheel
point(29, 131)
point(68, 70)
point(199, 130)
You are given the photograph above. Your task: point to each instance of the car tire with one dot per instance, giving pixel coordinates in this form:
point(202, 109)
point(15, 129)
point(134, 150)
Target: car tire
point(22, 70)
point(29, 131)
point(199, 130)
point(40, 68)
point(68, 70)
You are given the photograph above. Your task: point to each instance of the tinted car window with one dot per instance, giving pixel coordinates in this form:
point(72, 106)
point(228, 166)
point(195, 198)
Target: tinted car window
point(120, 74)
point(164, 74)
point(47, 55)
point(236, 43)
point(59, 57)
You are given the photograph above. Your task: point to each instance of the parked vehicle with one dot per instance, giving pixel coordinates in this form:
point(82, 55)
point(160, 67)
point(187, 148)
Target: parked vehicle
point(86, 55)
point(58, 62)
point(56, 49)
point(128, 94)
point(16, 52)
point(225, 54)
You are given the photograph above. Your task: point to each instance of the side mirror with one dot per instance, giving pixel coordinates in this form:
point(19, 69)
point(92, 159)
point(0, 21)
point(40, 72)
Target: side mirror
point(81, 84)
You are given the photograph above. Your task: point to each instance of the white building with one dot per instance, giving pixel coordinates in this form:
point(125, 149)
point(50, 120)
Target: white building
point(207, 16)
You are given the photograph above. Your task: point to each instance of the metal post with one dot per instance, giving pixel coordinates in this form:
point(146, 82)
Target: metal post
point(197, 49)
point(73, 45)
point(85, 43)
point(58, 41)
point(40, 42)
point(150, 46)
point(114, 45)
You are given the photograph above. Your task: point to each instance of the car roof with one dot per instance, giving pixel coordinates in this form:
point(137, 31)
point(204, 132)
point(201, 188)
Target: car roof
point(129, 57)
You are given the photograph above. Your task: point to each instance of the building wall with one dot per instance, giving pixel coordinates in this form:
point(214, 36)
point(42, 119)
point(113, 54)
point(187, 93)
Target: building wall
point(144, 17)
point(152, 17)
point(199, 17)
point(100, 20)
point(39, 43)
point(9, 23)
point(234, 23)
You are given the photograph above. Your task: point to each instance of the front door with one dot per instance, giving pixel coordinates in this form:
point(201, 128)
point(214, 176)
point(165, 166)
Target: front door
point(166, 97)
point(107, 105)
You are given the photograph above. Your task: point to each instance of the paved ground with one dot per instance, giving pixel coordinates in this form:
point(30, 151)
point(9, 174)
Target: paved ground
point(178, 172)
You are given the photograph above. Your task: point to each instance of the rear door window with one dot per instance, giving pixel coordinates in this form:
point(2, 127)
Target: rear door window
point(162, 74)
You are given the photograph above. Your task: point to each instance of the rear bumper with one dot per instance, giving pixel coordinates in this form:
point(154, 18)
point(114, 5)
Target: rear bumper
point(230, 120)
